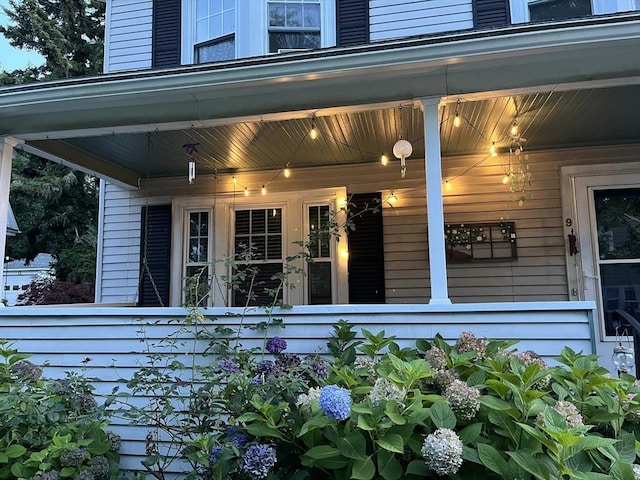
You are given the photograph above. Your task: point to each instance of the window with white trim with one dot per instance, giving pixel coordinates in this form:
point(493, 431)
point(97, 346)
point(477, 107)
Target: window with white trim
point(319, 281)
point(265, 233)
point(294, 25)
point(258, 253)
point(549, 10)
point(197, 264)
point(214, 26)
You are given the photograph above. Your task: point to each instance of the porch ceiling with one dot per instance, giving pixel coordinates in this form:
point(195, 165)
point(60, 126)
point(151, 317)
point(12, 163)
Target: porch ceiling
point(571, 84)
point(603, 116)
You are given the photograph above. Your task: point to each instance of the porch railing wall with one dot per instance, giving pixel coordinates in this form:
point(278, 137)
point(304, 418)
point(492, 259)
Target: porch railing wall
point(109, 344)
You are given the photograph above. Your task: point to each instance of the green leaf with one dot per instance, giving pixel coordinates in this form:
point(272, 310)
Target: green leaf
point(530, 464)
point(621, 471)
point(364, 424)
point(67, 471)
point(353, 446)
point(388, 467)
point(322, 451)
point(262, 430)
point(363, 469)
point(492, 459)
point(418, 468)
point(14, 451)
point(392, 442)
point(626, 448)
point(470, 433)
point(442, 415)
point(498, 404)
point(98, 448)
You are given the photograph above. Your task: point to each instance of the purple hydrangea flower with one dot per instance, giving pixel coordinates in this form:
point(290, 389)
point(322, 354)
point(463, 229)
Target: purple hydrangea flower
point(228, 366)
point(267, 367)
point(258, 460)
point(216, 451)
point(320, 369)
point(276, 345)
point(236, 437)
point(335, 402)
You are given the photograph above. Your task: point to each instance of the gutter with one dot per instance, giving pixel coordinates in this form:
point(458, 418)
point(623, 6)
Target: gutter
point(450, 49)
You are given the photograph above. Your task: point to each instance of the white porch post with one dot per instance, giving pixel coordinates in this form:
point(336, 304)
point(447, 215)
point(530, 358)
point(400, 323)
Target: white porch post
point(435, 210)
point(7, 145)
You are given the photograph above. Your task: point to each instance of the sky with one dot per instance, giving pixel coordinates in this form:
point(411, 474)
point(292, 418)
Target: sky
point(13, 58)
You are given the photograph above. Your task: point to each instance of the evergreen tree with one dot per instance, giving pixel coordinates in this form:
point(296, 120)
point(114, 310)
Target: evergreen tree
point(55, 207)
point(67, 33)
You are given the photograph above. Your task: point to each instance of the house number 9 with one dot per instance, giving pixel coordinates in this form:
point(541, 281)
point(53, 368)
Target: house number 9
point(568, 222)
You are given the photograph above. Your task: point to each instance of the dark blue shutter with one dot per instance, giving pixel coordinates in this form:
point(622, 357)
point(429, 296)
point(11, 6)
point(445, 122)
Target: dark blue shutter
point(165, 50)
point(366, 250)
point(352, 22)
point(155, 256)
point(491, 13)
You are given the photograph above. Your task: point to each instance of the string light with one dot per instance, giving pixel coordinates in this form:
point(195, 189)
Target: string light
point(506, 179)
point(384, 160)
point(514, 128)
point(263, 191)
point(314, 131)
point(447, 186)
point(234, 180)
point(246, 192)
point(492, 150)
point(456, 120)
point(286, 172)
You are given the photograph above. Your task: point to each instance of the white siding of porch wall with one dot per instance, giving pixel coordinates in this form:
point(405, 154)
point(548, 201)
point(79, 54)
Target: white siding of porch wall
point(111, 337)
point(401, 18)
point(128, 35)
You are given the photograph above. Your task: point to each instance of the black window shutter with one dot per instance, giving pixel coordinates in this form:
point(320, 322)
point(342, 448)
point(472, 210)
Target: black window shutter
point(166, 33)
point(155, 256)
point(366, 250)
point(352, 22)
point(491, 13)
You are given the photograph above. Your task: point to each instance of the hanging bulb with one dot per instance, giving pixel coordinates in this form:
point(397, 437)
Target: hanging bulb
point(384, 160)
point(314, 131)
point(505, 180)
point(447, 185)
point(492, 150)
point(287, 172)
point(246, 192)
point(263, 191)
point(456, 120)
point(192, 172)
point(234, 180)
point(514, 128)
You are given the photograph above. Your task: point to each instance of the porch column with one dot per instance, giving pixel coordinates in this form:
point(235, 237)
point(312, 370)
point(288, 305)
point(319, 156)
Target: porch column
point(435, 210)
point(7, 145)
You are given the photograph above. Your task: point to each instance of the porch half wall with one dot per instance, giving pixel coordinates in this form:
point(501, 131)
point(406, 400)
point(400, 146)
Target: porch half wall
point(116, 339)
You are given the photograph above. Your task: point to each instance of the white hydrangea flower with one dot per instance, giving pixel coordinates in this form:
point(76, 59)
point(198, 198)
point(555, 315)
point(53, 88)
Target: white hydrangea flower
point(464, 400)
point(442, 451)
point(384, 390)
point(304, 400)
point(636, 471)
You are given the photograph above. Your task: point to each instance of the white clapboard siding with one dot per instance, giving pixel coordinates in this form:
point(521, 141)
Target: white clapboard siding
point(128, 35)
point(400, 18)
point(109, 344)
point(477, 195)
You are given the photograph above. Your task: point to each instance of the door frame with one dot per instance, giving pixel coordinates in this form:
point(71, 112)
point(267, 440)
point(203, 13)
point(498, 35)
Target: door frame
point(577, 183)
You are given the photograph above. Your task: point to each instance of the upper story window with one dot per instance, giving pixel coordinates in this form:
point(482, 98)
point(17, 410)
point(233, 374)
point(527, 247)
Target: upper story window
point(215, 25)
point(551, 10)
point(294, 24)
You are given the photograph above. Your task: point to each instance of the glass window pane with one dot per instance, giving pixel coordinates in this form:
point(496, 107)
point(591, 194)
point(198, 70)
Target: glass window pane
point(294, 15)
point(301, 40)
point(215, 26)
point(202, 8)
point(544, 10)
point(229, 4)
point(320, 283)
point(228, 22)
point(198, 250)
point(276, 15)
point(216, 6)
point(242, 222)
point(262, 281)
point(274, 247)
point(274, 220)
point(258, 224)
point(312, 16)
point(258, 247)
point(618, 220)
point(202, 30)
point(620, 291)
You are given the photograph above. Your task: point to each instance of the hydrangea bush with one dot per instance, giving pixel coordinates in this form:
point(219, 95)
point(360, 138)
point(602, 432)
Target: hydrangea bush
point(474, 409)
point(51, 428)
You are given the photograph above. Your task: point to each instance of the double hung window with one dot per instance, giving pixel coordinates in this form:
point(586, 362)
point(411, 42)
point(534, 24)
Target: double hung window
point(320, 267)
point(215, 25)
point(294, 25)
point(197, 262)
point(258, 255)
